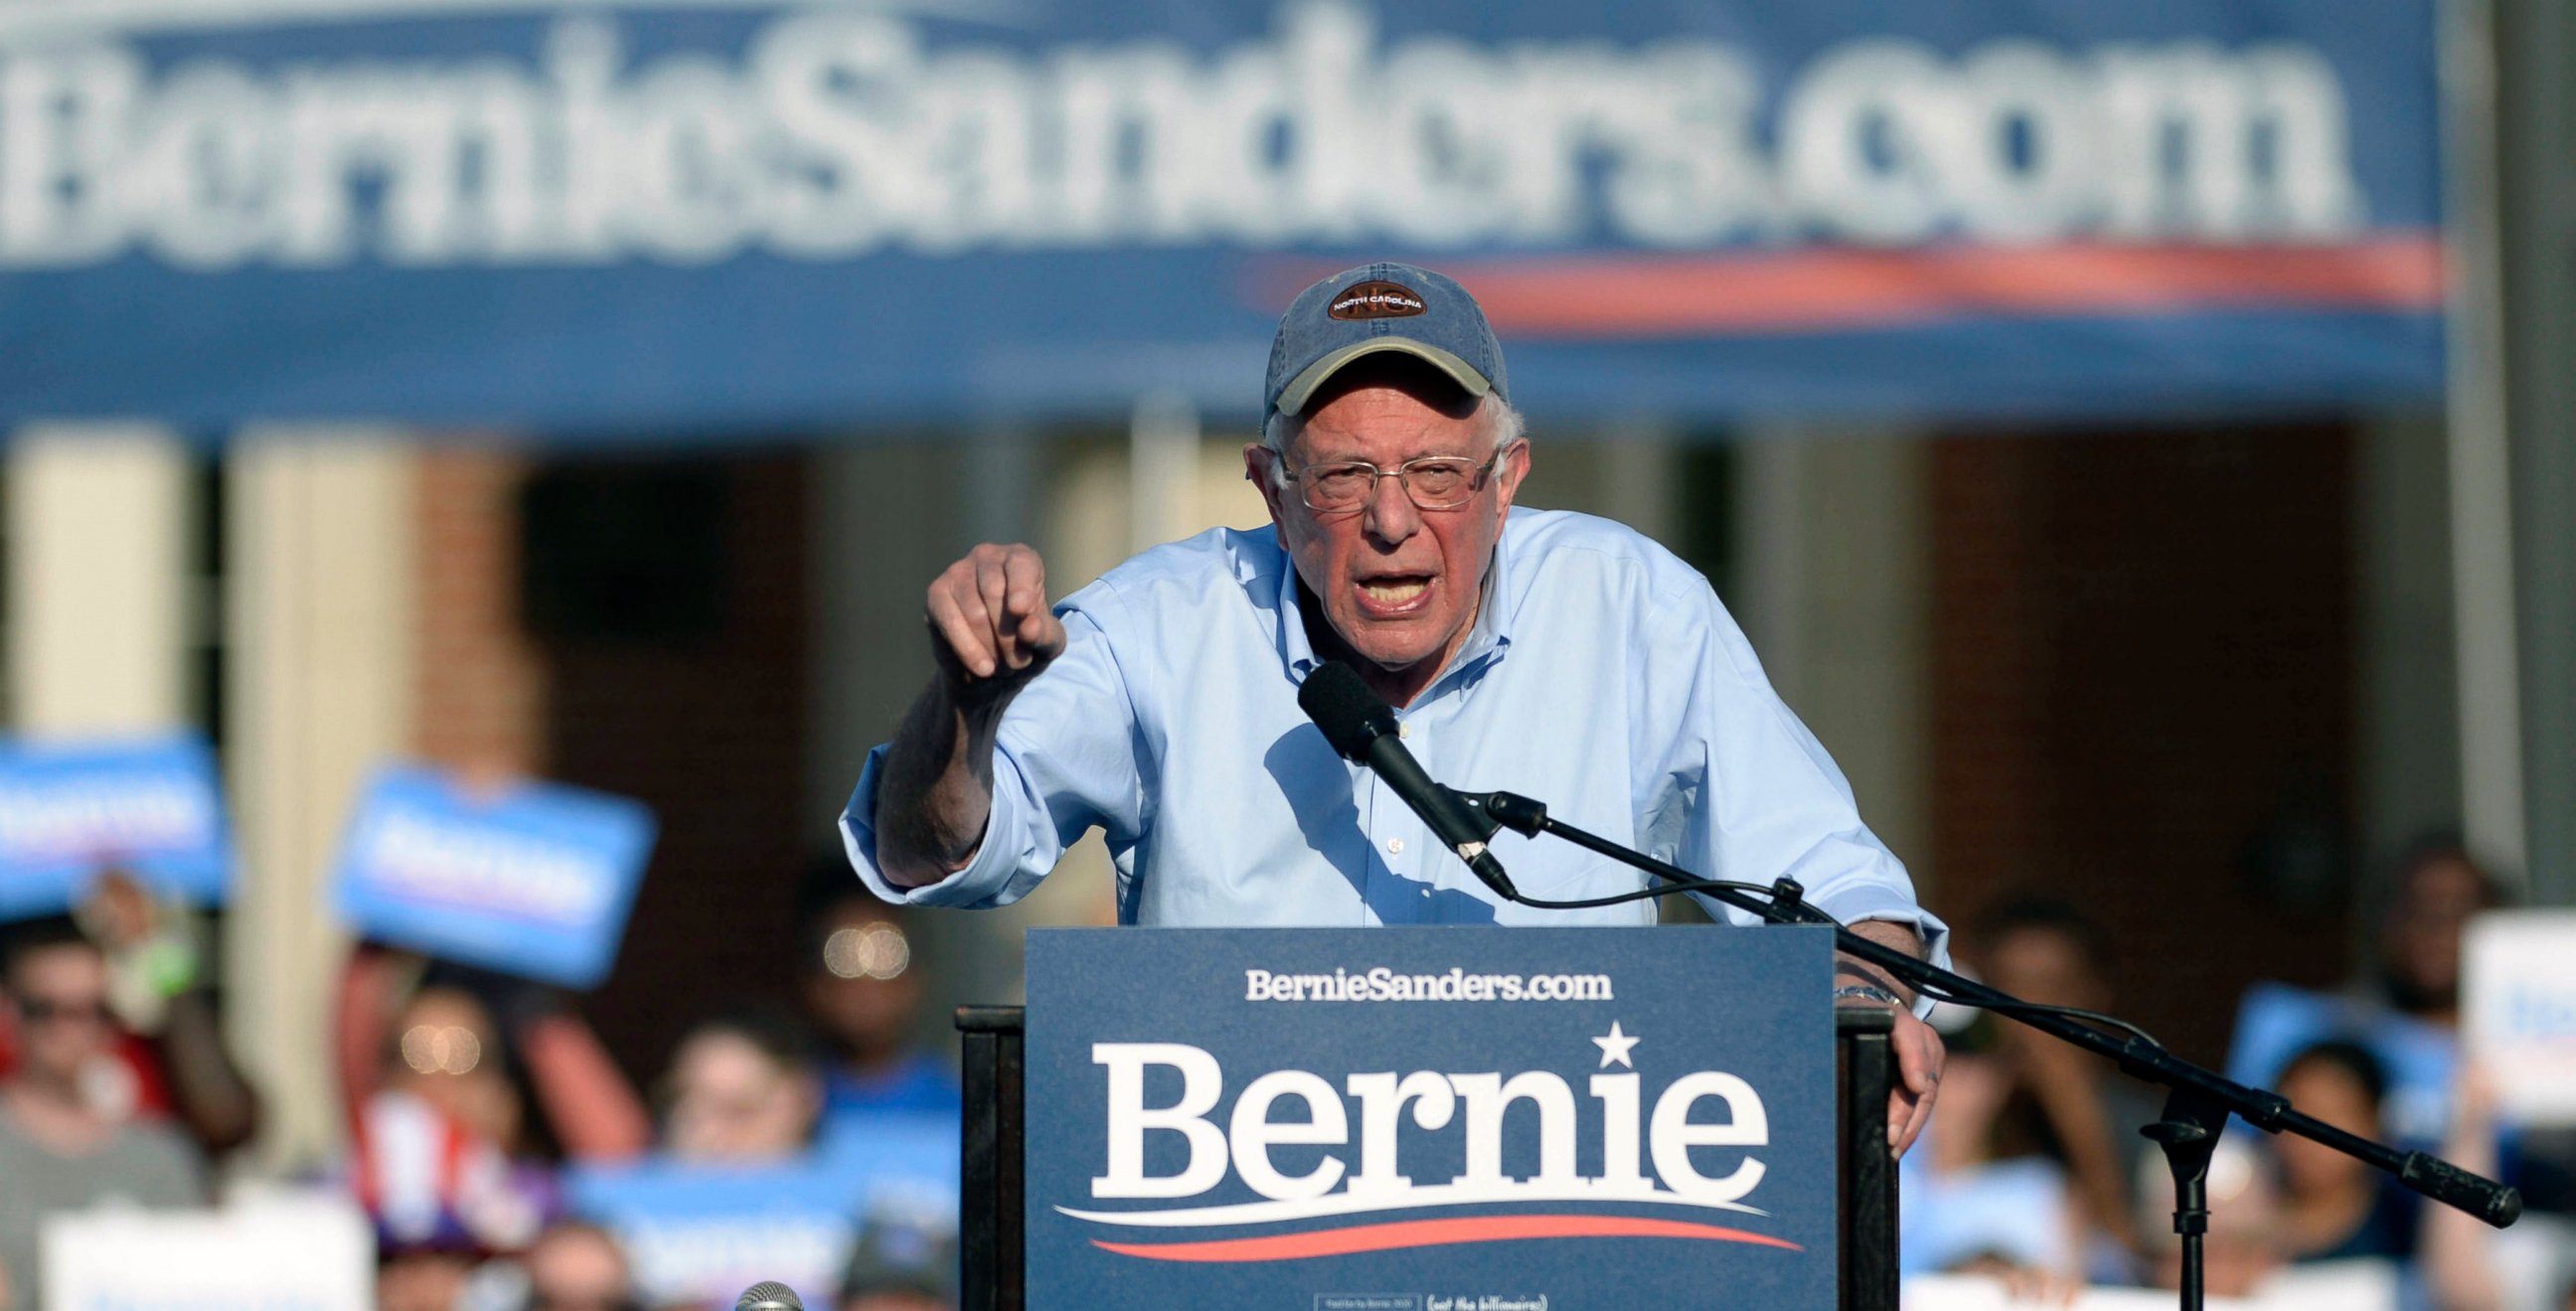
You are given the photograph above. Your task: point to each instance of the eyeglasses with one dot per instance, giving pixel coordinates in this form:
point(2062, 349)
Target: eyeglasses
point(46, 1010)
point(1434, 482)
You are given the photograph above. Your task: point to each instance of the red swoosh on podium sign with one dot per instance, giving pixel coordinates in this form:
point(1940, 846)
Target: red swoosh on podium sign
point(1437, 1233)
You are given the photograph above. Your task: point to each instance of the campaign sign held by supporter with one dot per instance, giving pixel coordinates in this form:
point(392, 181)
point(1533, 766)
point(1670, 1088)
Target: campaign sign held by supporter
point(1419, 1118)
point(2276, 1022)
point(287, 1253)
point(534, 879)
point(699, 1233)
point(70, 810)
point(2518, 1010)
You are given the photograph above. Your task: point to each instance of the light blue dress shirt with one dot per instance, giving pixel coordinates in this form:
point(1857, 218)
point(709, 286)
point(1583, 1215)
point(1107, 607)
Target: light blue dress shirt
point(1603, 678)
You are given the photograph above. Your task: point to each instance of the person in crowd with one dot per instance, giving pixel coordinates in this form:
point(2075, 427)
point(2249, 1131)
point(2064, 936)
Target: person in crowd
point(2402, 1004)
point(1965, 1209)
point(425, 1277)
point(439, 1069)
point(577, 1266)
point(2242, 1250)
point(862, 986)
point(900, 1266)
point(167, 1058)
point(584, 1104)
point(2333, 1206)
point(440, 1148)
point(2436, 889)
point(1161, 702)
point(59, 1150)
point(2060, 1102)
point(742, 1090)
point(2470, 1266)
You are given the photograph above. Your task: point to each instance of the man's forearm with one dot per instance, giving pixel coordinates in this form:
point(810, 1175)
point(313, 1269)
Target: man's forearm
point(936, 794)
point(1850, 969)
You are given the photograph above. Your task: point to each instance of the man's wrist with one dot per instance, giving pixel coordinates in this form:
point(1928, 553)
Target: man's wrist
point(1848, 971)
point(1867, 992)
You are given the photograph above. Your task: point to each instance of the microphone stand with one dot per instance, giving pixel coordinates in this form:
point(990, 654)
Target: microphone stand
point(2197, 1101)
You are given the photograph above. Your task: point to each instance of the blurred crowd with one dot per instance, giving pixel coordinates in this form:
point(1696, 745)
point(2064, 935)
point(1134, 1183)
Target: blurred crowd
point(2034, 1172)
point(476, 1106)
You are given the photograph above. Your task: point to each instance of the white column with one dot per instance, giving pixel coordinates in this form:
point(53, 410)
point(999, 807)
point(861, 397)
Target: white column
point(1836, 595)
point(998, 467)
point(2481, 464)
point(1162, 470)
point(1641, 471)
point(98, 625)
point(321, 540)
point(1771, 552)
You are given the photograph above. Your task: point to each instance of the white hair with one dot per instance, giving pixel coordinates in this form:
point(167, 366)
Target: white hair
point(1501, 420)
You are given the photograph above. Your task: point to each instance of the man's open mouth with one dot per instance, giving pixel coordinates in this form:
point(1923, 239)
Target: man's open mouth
point(1395, 592)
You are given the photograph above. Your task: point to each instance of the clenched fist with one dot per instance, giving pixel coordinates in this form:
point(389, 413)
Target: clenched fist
point(989, 623)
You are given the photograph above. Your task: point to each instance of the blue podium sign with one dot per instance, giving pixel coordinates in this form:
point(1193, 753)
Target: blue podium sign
point(535, 881)
point(1429, 1118)
point(152, 806)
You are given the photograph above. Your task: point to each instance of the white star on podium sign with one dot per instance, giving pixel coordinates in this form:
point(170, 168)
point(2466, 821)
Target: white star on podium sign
point(1614, 1046)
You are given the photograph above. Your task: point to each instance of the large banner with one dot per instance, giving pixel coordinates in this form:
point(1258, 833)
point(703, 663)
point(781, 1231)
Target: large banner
point(1430, 1118)
point(612, 217)
point(152, 807)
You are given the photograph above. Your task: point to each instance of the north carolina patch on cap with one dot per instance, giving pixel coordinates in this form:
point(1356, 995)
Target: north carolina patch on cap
point(1377, 300)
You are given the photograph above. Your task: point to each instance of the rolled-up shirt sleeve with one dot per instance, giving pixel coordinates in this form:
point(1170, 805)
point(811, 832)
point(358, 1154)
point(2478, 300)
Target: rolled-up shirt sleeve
point(1064, 761)
point(1750, 794)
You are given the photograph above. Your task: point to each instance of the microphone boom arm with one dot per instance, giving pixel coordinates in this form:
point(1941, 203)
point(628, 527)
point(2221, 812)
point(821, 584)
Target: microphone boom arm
point(2200, 1095)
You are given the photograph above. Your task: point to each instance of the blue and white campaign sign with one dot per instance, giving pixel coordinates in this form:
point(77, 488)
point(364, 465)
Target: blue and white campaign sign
point(1429, 1118)
point(700, 1234)
point(2276, 1022)
point(284, 1253)
point(69, 810)
point(691, 217)
point(2518, 1010)
point(535, 880)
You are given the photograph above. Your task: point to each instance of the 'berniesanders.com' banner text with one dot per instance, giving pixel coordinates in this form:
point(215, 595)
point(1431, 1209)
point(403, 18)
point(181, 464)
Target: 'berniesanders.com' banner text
point(699, 216)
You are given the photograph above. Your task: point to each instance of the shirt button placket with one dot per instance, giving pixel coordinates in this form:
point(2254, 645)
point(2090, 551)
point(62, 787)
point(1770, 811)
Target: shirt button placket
point(1426, 869)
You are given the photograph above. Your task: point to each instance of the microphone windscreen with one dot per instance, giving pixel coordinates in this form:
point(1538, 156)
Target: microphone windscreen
point(1350, 714)
point(768, 1295)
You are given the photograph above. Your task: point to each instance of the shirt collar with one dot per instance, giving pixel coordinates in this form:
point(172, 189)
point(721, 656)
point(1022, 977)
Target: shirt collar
point(1294, 649)
point(1486, 641)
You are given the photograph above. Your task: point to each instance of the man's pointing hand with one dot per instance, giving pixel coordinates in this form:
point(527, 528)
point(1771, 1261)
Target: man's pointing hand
point(989, 622)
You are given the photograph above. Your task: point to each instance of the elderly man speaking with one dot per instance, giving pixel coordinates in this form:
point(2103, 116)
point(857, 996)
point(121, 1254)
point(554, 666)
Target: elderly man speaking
point(1553, 654)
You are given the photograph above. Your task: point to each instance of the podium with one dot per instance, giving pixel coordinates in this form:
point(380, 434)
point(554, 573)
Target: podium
point(997, 1069)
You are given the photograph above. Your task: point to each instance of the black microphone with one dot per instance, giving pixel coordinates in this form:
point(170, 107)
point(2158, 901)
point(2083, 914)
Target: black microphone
point(1363, 731)
point(768, 1295)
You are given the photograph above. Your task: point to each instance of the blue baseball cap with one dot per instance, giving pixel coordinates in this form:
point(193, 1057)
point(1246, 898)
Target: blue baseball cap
point(1381, 307)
